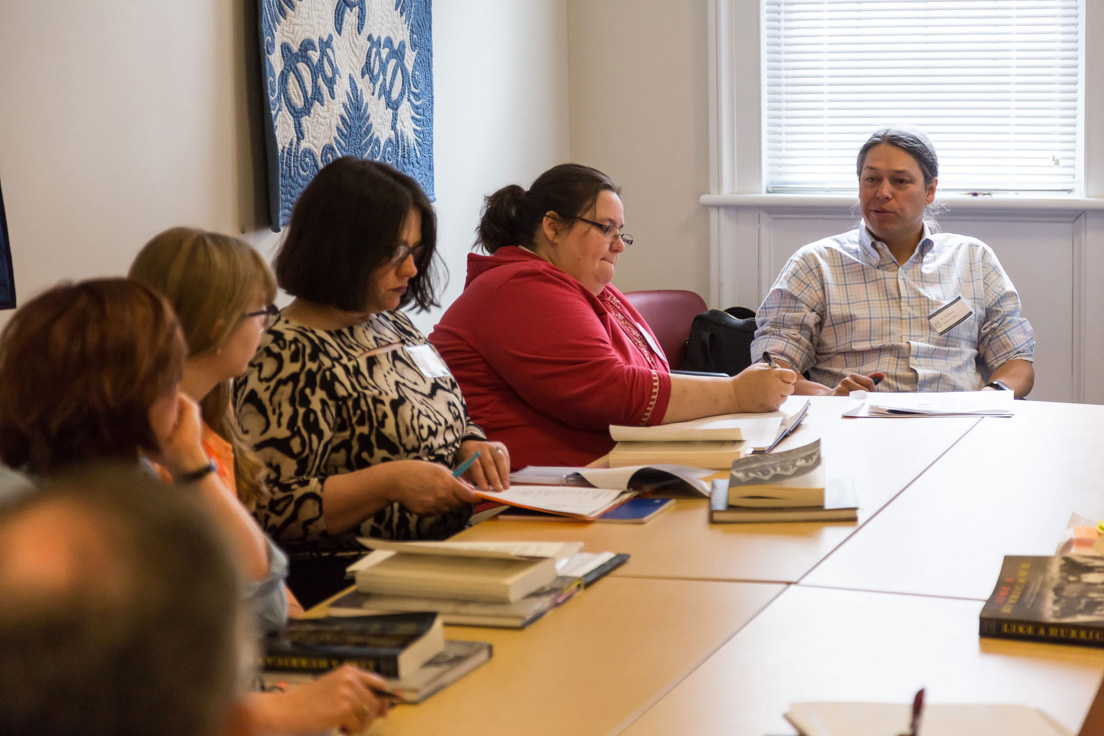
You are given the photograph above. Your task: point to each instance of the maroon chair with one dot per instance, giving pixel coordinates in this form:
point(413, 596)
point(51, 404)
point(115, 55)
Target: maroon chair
point(669, 313)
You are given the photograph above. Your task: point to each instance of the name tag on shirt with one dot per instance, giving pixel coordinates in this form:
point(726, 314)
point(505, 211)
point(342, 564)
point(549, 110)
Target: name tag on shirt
point(428, 362)
point(649, 339)
point(950, 315)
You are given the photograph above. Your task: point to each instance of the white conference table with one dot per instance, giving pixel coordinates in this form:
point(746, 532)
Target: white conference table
point(821, 644)
point(591, 666)
point(675, 643)
point(681, 543)
point(1007, 488)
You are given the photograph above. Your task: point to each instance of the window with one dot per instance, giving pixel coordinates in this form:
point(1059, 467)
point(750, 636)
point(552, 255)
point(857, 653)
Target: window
point(996, 84)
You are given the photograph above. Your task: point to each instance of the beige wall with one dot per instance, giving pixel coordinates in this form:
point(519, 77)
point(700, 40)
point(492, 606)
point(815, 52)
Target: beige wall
point(123, 117)
point(639, 111)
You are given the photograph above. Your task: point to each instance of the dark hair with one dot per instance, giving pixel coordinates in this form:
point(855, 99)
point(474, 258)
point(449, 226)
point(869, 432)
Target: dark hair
point(344, 226)
point(140, 633)
point(912, 141)
point(80, 366)
point(511, 216)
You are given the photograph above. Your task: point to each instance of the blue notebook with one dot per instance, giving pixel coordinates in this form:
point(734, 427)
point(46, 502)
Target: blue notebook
point(634, 511)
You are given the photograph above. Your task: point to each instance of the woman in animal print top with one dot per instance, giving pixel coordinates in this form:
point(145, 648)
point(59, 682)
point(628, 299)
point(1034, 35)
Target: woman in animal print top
point(355, 415)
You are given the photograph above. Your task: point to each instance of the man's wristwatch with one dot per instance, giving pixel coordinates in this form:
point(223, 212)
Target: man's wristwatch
point(998, 385)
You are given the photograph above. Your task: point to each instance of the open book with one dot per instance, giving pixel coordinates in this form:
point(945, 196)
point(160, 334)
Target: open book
point(572, 501)
point(643, 478)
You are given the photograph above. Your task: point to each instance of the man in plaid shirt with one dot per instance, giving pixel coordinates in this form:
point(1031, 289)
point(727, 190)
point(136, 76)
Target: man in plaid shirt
point(894, 302)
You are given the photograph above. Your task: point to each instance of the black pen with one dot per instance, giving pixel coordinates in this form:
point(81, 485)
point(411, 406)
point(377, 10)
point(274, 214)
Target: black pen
point(770, 359)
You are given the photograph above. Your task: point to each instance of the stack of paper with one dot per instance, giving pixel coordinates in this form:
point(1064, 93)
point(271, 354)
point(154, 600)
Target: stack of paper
point(891, 405)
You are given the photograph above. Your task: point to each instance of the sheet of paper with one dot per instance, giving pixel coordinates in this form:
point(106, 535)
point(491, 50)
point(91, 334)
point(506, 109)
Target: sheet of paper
point(950, 403)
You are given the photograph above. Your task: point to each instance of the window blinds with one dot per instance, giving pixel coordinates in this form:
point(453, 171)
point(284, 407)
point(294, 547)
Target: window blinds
point(996, 84)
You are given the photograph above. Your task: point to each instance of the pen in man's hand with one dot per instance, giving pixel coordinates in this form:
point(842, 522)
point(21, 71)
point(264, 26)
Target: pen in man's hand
point(770, 359)
point(465, 465)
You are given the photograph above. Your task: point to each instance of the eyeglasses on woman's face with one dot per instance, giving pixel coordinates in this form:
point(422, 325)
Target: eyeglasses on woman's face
point(402, 252)
point(607, 229)
point(269, 313)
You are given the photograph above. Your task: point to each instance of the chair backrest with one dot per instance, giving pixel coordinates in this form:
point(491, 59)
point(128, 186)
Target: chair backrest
point(669, 313)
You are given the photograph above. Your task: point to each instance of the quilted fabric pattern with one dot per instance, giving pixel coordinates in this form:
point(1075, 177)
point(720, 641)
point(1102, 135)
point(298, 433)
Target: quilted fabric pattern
point(7, 275)
point(345, 78)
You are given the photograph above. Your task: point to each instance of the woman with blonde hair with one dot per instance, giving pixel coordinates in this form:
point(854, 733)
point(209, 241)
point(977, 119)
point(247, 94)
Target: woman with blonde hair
point(222, 289)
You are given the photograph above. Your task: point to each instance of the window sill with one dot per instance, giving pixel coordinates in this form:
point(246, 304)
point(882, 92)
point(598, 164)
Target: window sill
point(954, 202)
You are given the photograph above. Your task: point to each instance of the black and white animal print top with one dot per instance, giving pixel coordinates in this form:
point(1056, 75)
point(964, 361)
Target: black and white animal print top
point(316, 403)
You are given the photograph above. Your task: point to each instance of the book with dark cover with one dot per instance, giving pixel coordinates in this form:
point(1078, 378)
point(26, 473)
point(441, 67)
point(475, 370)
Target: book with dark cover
point(1056, 599)
point(393, 645)
point(458, 659)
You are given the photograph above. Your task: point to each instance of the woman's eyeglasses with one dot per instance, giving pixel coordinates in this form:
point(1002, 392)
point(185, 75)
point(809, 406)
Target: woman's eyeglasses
point(607, 229)
point(270, 312)
point(401, 253)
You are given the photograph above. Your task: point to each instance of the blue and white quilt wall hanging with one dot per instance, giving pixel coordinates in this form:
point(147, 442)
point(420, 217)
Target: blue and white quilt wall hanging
point(7, 273)
point(345, 78)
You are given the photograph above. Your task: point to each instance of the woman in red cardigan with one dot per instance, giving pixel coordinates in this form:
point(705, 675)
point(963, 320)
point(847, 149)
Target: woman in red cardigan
point(547, 352)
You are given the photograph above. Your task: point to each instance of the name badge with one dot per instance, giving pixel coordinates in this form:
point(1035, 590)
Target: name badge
point(428, 361)
point(650, 340)
point(950, 315)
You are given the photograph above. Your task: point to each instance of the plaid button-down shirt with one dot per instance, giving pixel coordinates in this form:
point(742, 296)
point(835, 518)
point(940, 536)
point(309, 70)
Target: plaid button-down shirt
point(843, 305)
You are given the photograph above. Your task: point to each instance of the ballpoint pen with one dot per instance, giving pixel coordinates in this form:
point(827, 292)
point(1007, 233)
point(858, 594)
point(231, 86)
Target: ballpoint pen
point(462, 468)
point(770, 359)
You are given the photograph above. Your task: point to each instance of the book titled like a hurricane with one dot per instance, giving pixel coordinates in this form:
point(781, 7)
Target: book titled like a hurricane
point(1056, 599)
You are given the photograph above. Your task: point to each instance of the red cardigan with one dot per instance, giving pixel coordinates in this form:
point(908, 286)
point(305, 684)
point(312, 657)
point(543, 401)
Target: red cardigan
point(544, 365)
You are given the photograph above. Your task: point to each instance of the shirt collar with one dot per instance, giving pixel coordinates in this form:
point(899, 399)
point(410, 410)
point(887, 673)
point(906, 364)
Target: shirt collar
point(877, 253)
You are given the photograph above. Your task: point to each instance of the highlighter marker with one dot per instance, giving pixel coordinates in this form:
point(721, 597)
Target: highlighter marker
point(465, 465)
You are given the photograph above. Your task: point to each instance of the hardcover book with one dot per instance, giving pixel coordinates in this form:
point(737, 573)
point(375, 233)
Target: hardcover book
point(393, 645)
point(1056, 599)
point(456, 660)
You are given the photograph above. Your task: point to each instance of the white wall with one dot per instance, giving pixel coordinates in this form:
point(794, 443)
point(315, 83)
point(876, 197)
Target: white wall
point(500, 83)
point(123, 117)
point(639, 112)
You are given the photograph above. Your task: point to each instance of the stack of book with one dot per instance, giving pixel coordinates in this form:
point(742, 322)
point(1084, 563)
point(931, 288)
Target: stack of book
point(783, 487)
point(497, 584)
point(710, 442)
point(409, 650)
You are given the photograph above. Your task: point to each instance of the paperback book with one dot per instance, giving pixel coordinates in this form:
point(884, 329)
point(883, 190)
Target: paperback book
point(1056, 599)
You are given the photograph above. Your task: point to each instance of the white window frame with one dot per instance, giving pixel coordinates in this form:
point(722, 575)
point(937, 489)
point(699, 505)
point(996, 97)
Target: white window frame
point(735, 117)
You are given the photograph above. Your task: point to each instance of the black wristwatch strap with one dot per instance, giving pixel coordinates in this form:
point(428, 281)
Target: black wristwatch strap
point(196, 475)
point(998, 385)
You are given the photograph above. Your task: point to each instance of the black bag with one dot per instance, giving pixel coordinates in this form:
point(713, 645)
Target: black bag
point(720, 342)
